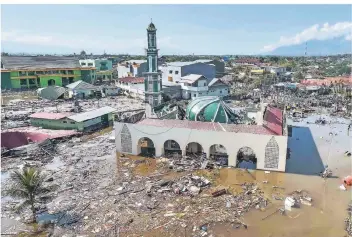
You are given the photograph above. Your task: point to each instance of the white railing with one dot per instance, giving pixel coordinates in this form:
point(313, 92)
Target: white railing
point(192, 88)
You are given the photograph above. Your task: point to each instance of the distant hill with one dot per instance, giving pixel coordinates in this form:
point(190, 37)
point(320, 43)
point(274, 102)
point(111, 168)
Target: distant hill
point(316, 48)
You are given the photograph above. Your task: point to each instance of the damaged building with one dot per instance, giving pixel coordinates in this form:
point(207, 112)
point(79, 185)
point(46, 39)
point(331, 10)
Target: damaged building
point(86, 121)
point(264, 144)
point(27, 72)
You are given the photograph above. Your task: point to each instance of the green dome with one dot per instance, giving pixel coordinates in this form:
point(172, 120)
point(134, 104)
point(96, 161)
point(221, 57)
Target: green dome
point(210, 109)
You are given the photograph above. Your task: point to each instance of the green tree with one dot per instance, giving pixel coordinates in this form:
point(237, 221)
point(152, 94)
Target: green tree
point(27, 185)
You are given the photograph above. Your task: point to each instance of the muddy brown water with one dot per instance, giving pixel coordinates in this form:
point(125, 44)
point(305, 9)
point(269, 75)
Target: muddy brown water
point(324, 218)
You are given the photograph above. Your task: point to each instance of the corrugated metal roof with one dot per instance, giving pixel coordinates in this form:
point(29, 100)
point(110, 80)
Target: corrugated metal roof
point(81, 85)
point(51, 92)
point(131, 79)
point(203, 60)
point(91, 114)
point(53, 116)
point(37, 62)
point(191, 78)
point(180, 64)
point(273, 120)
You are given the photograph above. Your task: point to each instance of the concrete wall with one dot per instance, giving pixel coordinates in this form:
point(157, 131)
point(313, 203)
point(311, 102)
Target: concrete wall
point(231, 141)
point(54, 124)
point(111, 91)
point(218, 91)
point(171, 71)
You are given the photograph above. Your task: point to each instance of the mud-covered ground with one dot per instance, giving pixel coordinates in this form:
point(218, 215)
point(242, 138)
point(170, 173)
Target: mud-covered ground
point(100, 193)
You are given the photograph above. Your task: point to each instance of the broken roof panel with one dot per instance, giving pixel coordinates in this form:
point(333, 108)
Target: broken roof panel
point(273, 120)
point(91, 114)
point(51, 92)
point(81, 85)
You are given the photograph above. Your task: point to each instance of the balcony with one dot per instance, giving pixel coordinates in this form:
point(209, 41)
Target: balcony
point(192, 88)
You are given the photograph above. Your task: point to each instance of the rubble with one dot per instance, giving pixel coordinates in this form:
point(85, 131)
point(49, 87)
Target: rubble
point(16, 113)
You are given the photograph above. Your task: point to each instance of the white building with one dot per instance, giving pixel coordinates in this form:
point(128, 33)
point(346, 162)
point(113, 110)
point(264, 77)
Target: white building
point(269, 148)
point(173, 72)
point(134, 86)
point(110, 90)
point(131, 68)
point(81, 89)
point(87, 62)
point(276, 70)
point(194, 86)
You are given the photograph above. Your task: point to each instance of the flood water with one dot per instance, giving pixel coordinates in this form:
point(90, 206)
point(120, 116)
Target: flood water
point(313, 146)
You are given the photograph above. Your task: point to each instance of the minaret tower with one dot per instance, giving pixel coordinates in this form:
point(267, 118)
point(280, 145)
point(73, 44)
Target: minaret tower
point(152, 78)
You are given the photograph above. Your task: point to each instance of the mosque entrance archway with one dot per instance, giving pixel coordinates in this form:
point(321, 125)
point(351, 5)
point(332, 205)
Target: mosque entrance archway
point(171, 147)
point(146, 147)
point(246, 158)
point(218, 153)
point(194, 148)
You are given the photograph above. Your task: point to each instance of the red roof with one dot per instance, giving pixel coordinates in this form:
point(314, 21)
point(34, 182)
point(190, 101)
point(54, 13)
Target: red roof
point(237, 128)
point(327, 81)
point(132, 79)
point(273, 120)
point(53, 116)
point(19, 137)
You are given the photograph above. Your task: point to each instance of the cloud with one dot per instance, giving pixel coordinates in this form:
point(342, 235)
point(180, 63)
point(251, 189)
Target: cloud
point(95, 45)
point(314, 32)
point(349, 37)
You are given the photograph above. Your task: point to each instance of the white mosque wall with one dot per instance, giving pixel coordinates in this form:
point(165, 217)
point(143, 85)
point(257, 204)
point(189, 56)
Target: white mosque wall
point(129, 137)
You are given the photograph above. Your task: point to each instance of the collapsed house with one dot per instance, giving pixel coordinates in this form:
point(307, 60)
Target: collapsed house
point(86, 121)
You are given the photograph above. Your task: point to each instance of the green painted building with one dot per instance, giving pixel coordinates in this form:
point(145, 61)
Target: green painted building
point(38, 72)
point(86, 121)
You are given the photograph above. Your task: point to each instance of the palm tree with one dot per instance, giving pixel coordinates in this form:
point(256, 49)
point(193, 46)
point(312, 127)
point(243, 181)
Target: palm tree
point(27, 184)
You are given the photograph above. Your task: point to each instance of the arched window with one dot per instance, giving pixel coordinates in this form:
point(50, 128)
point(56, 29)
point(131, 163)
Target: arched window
point(126, 140)
point(271, 154)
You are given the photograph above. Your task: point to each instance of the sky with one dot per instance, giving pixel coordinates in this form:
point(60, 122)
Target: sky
point(181, 29)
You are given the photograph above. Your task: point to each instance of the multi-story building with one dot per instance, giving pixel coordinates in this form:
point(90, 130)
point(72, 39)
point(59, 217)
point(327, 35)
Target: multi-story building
point(103, 67)
point(219, 66)
point(132, 68)
point(194, 86)
point(173, 72)
point(42, 71)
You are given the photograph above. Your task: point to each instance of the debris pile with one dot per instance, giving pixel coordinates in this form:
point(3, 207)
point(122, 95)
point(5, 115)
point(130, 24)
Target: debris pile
point(296, 198)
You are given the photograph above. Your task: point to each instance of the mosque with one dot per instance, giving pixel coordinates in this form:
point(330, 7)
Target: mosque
point(210, 127)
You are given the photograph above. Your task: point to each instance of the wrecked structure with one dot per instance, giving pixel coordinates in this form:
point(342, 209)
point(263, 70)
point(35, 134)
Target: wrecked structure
point(86, 121)
point(155, 137)
point(27, 72)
